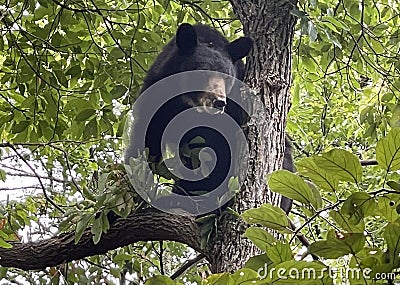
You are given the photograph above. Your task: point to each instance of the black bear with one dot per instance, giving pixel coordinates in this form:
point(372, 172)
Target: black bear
point(218, 62)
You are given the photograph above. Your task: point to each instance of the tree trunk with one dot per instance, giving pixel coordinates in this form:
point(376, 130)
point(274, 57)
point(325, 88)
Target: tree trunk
point(270, 25)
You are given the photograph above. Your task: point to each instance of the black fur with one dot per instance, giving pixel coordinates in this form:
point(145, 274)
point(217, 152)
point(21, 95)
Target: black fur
point(197, 47)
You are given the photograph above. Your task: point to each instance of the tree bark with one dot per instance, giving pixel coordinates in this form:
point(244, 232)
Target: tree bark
point(148, 225)
point(271, 26)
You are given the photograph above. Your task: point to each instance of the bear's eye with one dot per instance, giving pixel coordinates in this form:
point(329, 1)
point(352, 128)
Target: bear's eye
point(210, 44)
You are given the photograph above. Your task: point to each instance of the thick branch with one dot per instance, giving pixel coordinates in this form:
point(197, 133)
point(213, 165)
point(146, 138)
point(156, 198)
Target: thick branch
point(144, 226)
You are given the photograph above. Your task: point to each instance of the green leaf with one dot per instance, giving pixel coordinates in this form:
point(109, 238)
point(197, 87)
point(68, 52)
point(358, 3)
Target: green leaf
point(3, 234)
point(258, 263)
point(292, 186)
point(81, 226)
point(394, 185)
point(233, 184)
point(337, 22)
point(91, 129)
point(74, 71)
point(316, 195)
point(104, 221)
point(338, 245)
point(60, 77)
point(345, 221)
point(387, 97)
point(376, 45)
point(388, 151)
point(85, 114)
point(395, 119)
point(340, 164)
point(244, 275)
point(387, 207)
point(296, 12)
point(4, 244)
point(115, 53)
point(20, 127)
point(121, 257)
point(392, 238)
point(118, 91)
point(3, 175)
point(260, 237)
point(216, 279)
point(43, 3)
point(318, 176)
point(268, 216)
point(115, 272)
point(97, 229)
point(312, 31)
point(3, 272)
point(309, 64)
point(279, 252)
point(157, 280)
point(102, 181)
point(333, 39)
point(365, 113)
point(69, 216)
point(358, 206)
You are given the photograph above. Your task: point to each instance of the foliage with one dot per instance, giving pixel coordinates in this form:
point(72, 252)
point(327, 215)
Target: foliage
point(345, 94)
point(345, 68)
point(69, 72)
point(364, 224)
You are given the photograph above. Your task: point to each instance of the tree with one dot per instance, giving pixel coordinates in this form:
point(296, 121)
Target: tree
point(69, 71)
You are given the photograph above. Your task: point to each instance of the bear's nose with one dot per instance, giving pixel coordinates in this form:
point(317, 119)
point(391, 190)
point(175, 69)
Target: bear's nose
point(219, 104)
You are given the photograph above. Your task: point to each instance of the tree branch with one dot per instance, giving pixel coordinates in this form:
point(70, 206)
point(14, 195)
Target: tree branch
point(369, 162)
point(147, 225)
point(188, 264)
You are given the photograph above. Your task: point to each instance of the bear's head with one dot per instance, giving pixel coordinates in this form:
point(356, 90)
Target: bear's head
point(200, 47)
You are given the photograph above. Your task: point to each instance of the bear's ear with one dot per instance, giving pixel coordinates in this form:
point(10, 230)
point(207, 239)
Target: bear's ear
point(186, 38)
point(239, 48)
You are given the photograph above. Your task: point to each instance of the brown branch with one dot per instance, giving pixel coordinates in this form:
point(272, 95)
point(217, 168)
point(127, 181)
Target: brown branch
point(147, 225)
point(369, 162)
point(296, 233)
point(304, 241)
point(187, 265)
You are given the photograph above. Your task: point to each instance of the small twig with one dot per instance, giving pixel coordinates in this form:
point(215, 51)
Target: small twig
point(317, 213)
point(42, 177)
point(187, 265)
point(368, 162)
point(20, 188)
point(383, 190)
point(304, 241)
point(96, 264)
point(37, 176)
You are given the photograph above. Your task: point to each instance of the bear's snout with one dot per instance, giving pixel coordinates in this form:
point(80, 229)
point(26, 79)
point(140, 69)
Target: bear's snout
point(216, 85)
point(219, 104)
